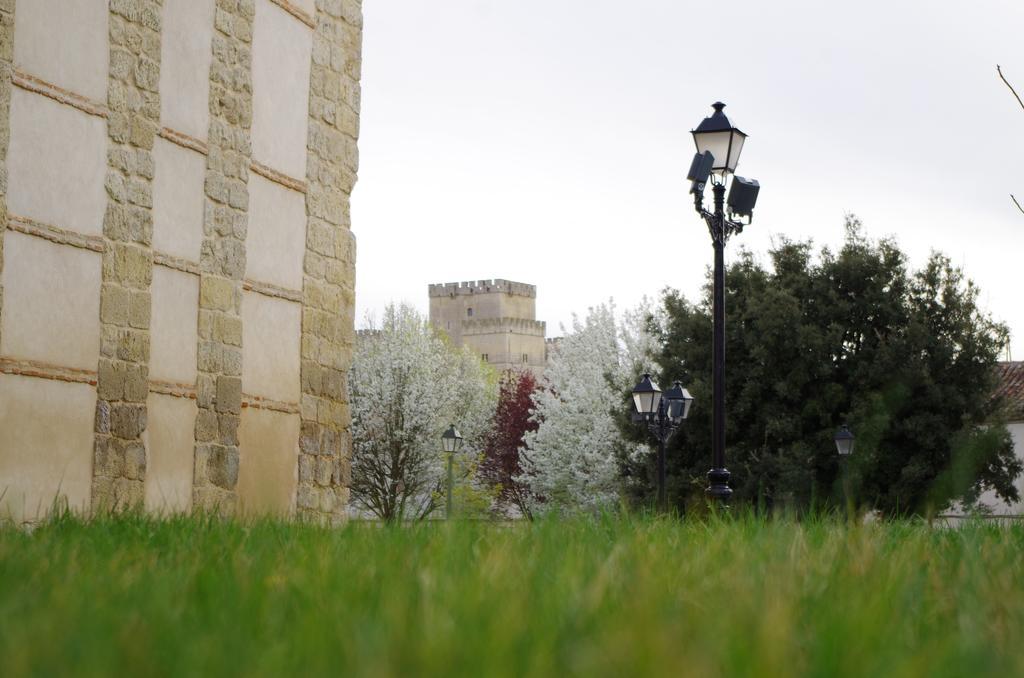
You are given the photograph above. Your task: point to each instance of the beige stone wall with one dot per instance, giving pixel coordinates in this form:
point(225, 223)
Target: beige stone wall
point(507, 343)
point(133, 103)
point(329, 270)
point(176, 261)
point(6, 71)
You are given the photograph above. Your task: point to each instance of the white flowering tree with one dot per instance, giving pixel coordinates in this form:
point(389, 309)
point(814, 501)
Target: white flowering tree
point(407, 384)
point(570, 463)
point(639, 334)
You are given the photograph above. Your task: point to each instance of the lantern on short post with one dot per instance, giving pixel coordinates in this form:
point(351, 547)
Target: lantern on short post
point(844, 445)
point(844, 441)
point(451, 442)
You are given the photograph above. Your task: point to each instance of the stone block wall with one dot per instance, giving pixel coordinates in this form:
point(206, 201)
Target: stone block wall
point(176, 258)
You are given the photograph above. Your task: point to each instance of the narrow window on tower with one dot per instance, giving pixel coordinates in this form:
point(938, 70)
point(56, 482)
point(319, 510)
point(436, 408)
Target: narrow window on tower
point(469, 312)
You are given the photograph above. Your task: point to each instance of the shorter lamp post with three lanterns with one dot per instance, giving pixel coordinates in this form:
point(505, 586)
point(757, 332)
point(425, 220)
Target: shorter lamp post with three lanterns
point(663, 413)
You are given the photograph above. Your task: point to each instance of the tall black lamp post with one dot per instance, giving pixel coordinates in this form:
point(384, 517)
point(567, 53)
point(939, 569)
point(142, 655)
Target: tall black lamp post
point(451, 442)
point(719, 143)
point(663, 413)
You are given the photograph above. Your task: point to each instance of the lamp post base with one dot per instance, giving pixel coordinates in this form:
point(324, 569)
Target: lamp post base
point(662, 497)
point(718, 484)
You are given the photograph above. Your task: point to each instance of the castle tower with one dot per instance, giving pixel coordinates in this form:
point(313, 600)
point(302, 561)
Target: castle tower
point(496, 318)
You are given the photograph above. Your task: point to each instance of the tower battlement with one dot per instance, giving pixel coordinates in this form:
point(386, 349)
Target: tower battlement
point(469, 287)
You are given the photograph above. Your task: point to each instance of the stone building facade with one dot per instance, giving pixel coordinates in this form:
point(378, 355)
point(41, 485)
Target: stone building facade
point(496, 318)
point(177, 266)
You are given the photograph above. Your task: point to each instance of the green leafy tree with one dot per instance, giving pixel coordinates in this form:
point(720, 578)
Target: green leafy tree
point(907, 358)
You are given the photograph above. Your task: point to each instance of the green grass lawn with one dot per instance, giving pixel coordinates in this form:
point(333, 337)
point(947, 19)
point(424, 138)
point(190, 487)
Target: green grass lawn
point(613, 597)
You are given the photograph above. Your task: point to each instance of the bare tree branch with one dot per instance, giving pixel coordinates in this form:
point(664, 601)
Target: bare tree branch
point(1017, 96)
point(1007, 82)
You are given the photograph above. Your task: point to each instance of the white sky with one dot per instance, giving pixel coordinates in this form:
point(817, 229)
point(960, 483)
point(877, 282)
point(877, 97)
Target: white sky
point(547, 141)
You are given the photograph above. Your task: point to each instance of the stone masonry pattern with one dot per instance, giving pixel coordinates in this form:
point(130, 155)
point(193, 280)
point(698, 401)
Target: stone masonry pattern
point(329, 267)
point(133, 99)
point(222, 259)
point(6, 70)
point(132, 111)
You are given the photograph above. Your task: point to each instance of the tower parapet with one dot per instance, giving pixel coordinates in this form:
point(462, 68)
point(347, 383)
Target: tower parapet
point(470, 287)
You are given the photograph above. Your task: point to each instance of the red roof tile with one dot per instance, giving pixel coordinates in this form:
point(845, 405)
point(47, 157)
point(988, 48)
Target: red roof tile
point(1011, 387)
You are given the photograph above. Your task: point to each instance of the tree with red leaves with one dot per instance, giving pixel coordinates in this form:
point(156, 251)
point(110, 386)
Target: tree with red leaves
point(501, 463)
